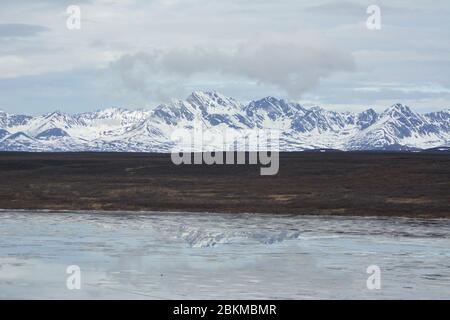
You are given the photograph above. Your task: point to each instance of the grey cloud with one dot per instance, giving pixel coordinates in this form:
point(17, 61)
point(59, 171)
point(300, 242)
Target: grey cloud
point(398, 94)
point(364, 94)
point(411, 47)
point(13, 30)
point(292, 64)
point(338, 8)
point(348, 12)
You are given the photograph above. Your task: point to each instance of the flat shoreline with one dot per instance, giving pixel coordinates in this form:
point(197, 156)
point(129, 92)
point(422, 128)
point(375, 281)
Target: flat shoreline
point(193, 213)
point(365, 184)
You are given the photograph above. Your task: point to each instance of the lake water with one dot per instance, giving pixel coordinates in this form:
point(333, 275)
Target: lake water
point(219, 256)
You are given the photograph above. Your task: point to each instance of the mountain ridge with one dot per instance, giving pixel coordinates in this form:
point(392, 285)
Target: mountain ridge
point(301, 128)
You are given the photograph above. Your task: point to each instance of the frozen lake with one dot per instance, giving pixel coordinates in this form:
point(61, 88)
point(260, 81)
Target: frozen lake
point(219, 256)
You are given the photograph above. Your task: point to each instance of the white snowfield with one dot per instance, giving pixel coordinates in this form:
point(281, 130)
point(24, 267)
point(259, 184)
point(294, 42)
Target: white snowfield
point(300, 128)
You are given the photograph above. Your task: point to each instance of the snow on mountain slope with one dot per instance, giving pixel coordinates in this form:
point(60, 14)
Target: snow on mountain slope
point(109, 122)
point(300, 128)
point(12, 120)
point(19, 141)
point(53, 133)
point(398, 126)
point(441, 120)
point(273, 113)
point(366, 118)
point(4, 133)
point(36, 125)
point(217, 110)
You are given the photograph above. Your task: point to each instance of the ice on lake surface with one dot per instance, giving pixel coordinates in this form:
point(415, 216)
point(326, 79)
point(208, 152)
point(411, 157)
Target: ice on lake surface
point(221, 256)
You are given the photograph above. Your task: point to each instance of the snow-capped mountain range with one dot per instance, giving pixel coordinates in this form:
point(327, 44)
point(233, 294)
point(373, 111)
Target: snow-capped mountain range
point(301, 128)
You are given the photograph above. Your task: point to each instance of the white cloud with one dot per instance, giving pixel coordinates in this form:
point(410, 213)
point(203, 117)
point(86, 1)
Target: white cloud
point(293, 64)
point(247, 48)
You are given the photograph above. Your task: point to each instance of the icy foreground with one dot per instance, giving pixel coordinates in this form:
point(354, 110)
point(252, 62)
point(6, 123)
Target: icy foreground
point(114, 129)
point(213, 256)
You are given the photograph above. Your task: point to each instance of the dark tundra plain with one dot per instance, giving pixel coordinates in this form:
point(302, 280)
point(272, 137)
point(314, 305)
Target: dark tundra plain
point(331, 183)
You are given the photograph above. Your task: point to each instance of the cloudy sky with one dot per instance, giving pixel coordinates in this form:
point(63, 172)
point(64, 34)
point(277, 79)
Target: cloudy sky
point(133, 53)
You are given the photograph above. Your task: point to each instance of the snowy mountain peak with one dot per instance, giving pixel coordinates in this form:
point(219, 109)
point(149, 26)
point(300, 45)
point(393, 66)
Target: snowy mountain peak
point(369, 111)
point(10, 120)
point(367, 118)
point(208, 101)
point(399, 109)
point(54, 114)
point(118, 129)
point(19, 136)
point(52, 133)
point(272, 112)
point(210, 95)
